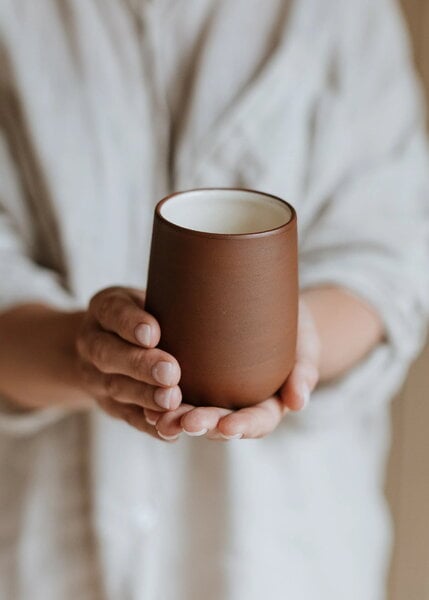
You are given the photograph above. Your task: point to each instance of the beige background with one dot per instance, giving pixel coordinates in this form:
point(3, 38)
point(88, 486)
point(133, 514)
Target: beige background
point(408, 482)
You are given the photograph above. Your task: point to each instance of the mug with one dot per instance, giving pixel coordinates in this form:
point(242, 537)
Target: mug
point(223, 284)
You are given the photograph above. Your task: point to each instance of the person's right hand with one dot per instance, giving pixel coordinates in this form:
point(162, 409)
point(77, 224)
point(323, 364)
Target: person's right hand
point(118, 363)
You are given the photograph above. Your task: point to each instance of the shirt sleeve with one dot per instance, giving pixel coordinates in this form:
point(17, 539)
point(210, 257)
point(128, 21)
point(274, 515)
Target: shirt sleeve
point(23, 278)
point(369, 232)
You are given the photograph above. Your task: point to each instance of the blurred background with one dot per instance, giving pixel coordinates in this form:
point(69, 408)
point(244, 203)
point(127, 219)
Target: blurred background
point(408, 481)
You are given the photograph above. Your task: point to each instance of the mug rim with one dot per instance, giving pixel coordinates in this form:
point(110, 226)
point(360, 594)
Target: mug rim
point(256, 234)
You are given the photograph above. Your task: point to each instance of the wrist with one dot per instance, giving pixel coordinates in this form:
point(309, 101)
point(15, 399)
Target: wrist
point(347, 329)
point(38, 359)
point(69, 325)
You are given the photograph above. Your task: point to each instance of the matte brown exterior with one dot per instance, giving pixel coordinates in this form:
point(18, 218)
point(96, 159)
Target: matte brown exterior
point(227, 306)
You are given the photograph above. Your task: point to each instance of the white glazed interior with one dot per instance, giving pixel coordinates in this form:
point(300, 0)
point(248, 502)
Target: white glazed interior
point(226, 211)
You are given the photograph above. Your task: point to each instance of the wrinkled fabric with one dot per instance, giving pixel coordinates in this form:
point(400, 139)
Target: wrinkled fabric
point(106, 106)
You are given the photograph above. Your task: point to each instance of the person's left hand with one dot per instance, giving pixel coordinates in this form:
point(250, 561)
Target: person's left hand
point(261, 419)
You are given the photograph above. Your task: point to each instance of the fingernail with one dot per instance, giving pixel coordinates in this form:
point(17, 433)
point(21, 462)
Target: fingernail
point(143, 334)
point(237, 436)
point(195, 433)
point(163, 397)
point(305, 396)
point(164, 373)
point(168, 438)
point(153, 423)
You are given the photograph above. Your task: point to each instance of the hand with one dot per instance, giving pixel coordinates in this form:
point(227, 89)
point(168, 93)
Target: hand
point(118, 363)
point(259, 420)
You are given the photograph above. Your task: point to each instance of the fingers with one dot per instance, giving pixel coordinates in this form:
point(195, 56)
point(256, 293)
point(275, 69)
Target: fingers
point(295, 393)
point(120, 311)
point(129, 391)
point(193, 421)
point(308, 342)
point(203, 421)
point(152, 416)
point(218, 423)
point(123, 376)
point(133, 415)
point(303, 379)
point(168, 424)
point(110, 354)
point(253, 422)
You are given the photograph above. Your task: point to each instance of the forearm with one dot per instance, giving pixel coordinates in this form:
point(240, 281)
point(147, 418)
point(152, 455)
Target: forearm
point(348, 329)
point(38, 357)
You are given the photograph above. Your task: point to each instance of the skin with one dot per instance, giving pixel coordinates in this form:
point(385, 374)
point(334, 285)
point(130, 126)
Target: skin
point(107, 356)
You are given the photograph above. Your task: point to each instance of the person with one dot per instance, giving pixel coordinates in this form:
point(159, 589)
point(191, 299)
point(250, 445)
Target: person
point(105, 108)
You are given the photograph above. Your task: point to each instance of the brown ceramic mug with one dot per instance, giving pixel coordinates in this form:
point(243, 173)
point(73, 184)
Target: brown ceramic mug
point(223, 284)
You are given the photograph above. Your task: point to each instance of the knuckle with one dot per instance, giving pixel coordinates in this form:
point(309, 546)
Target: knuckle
point(114, 312)
point(104, 308)
point(101, 304)
point(121, 315)
point(85, 375)
point(112, 386)
point(95, 301)
point(106, 292)
point(81, 340)
point(98, 351)
point(138, 362)
point(112, 289)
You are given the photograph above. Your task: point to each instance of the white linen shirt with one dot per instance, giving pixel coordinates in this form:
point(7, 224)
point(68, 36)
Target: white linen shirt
point(106, 106)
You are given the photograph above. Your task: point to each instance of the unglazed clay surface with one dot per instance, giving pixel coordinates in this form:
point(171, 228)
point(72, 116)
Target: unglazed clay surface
point(226, 302)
